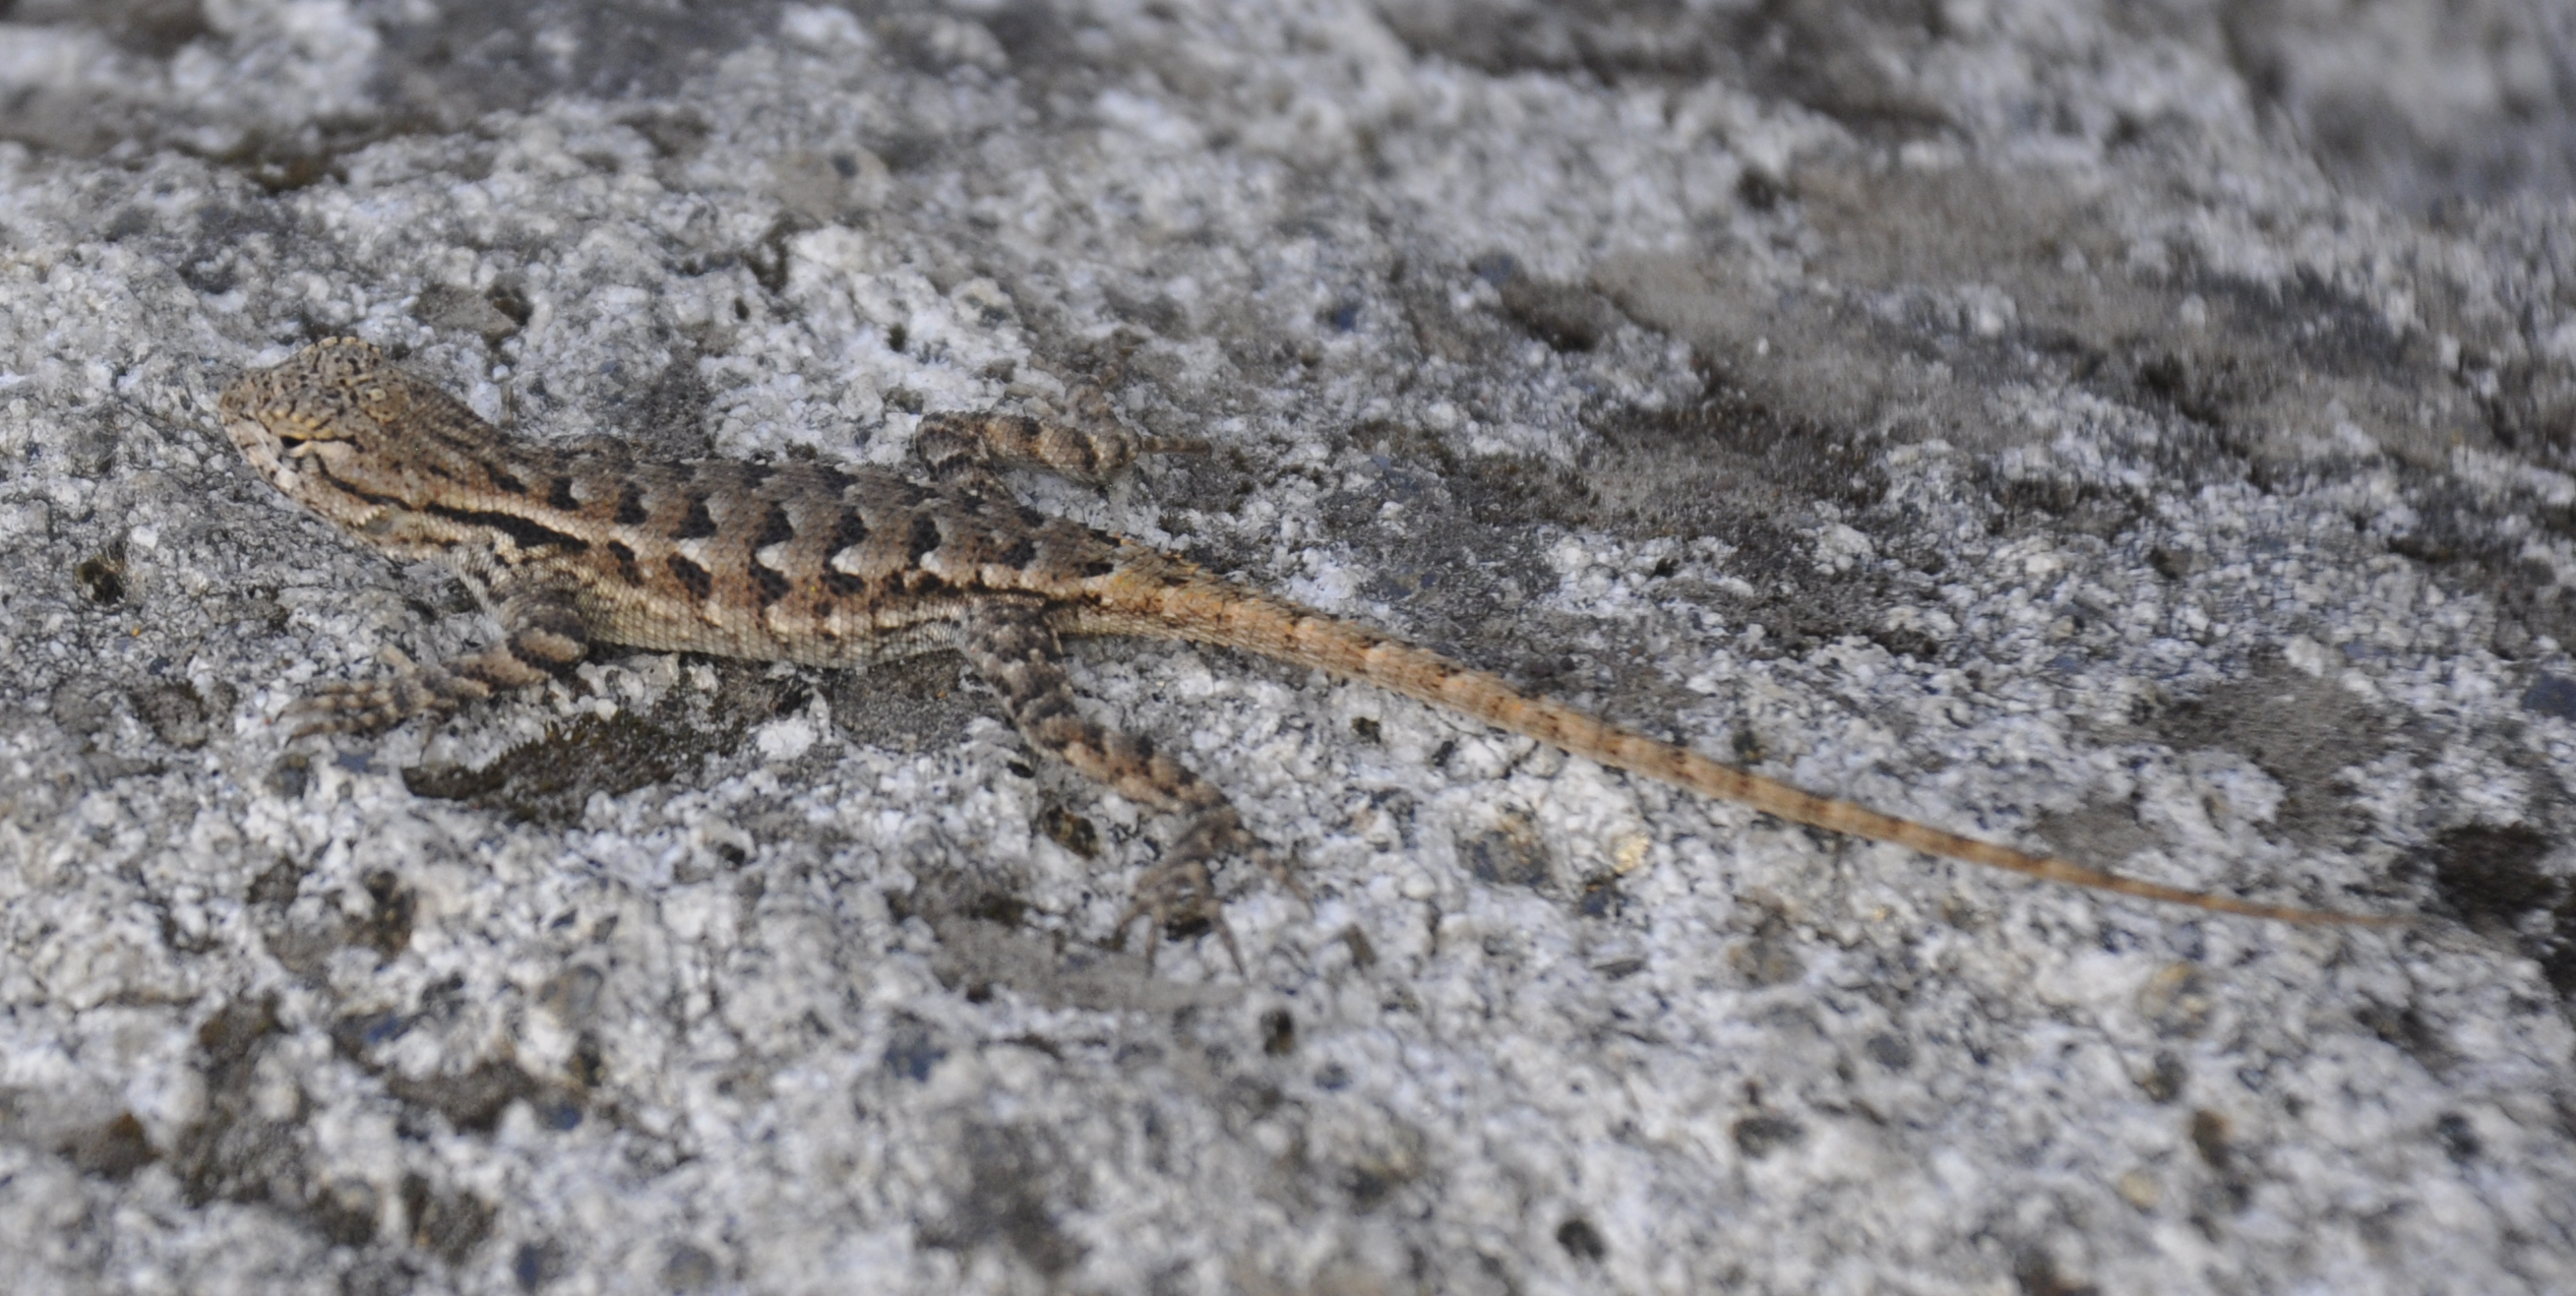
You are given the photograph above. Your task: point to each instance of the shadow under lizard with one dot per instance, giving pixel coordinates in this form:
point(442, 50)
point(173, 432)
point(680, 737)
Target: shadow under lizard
point(843, 566)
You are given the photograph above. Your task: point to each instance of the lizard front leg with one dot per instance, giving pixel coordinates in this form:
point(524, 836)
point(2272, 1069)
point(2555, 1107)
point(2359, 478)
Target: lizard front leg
point(542, 636)
point(1012, 647)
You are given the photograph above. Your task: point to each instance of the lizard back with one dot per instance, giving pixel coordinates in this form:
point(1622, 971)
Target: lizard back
point(825, 566)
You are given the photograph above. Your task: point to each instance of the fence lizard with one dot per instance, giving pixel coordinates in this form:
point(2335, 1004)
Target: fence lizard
point(842, 566)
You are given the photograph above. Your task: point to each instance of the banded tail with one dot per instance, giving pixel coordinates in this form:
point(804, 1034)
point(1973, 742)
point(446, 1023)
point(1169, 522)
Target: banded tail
point(1158, 596)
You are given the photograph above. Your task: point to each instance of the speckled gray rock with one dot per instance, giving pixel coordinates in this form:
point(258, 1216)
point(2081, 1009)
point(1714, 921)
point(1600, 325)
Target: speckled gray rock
point(2142, 430)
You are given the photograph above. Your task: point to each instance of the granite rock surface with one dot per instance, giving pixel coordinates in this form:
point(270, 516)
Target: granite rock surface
point(2146, 431)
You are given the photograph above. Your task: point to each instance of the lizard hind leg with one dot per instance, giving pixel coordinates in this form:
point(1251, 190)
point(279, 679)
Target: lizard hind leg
point(1015, 651)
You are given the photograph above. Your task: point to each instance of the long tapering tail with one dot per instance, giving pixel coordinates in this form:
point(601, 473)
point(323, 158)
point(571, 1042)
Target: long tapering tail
point(1159, 596)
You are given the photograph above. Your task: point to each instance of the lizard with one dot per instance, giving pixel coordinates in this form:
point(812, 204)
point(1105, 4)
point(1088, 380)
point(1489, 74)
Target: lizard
point(570, 548)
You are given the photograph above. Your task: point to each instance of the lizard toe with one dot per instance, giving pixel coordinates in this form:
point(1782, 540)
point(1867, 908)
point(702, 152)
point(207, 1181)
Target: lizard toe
point(1177, 895)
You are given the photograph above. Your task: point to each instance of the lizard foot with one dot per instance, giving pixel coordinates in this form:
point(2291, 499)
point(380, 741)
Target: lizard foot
point(365, 706)
point(1178, 892)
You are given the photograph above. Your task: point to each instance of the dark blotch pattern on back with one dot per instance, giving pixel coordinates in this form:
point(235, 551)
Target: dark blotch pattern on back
point(774, 528)
point(630, 506)
point(690, 575)
point(849, 532)
point(697, 523)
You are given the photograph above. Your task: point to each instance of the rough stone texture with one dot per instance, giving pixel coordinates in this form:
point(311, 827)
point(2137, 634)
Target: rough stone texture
point(2144, 429)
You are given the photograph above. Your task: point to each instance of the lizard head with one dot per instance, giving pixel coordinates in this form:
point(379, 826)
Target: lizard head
point(313, 422)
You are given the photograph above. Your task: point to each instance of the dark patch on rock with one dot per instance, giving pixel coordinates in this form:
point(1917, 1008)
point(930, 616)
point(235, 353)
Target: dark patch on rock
point(102, 576)
point(676, 132)
point(2102, 832)
point(450, 1224)
point(304, 939)
point(2532, 408)
point(1374, 1177)
point(387, 926)
point(912, 1051)
point(689, 1269)
point(344, 1212)
point(80, 707)
point(1725, 466)
point(472, 1101)
point(114, 1149)
point(174, 711)
point(2230, 1188)
point(89, 451)
point(1567, 317)
point(2061, 506)
point(2407, 1029)
point(535, 1264)
point(1601, 896)
point(2490, 876)
point(276, 886)
point(1158, 313)
point(1014, 1177)
point(2209, 1132)
point(2165, 1077)
point(900, 705)
point(2301, 730)
point(767, 259)
point(1760, 1136)
point(1580, 1239)
point(2458, 1137)
point(480, 314)
point(548, 780)
point(1894, 1052)
point(2035, 1273)
point(573, 994)
point(1771, 957)
point(939, 44)
point(1699, 470)
point(2465, 538)
point(1508, 854)
point(234, 1153)
point(1278, 1032)
point(2551, 695)
point(2207, 388)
